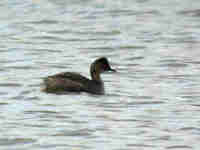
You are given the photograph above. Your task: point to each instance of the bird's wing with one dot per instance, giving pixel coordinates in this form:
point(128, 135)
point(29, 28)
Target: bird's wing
point(71, 76)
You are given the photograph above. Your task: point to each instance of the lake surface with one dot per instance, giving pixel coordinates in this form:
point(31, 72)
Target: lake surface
point(151, 103)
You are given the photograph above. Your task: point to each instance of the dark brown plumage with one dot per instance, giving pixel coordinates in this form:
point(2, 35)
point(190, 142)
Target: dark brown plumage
point(74, 82)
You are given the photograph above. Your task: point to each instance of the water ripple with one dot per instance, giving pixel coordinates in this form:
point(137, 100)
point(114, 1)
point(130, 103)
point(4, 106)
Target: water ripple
point(15, 141)
point(44, 21)
point(10, 85)
point(194, 12)
point(81, 132)
point(179, 147)
point(140, 145)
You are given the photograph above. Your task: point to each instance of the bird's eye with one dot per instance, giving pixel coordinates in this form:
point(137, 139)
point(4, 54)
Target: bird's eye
point(105, 66)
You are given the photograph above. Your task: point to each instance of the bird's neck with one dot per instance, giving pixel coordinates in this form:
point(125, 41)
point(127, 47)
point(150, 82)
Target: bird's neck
point(95, 73)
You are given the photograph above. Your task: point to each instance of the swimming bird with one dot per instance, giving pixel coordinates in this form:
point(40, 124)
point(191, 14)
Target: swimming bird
point(74, 82)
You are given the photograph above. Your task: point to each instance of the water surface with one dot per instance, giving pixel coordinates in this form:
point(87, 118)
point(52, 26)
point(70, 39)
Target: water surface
point(152, 102)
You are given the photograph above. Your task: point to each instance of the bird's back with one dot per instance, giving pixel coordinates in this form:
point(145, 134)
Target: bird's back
point(72, 82)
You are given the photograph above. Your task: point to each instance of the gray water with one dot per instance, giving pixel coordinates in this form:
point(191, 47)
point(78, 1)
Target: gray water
point(151, 103)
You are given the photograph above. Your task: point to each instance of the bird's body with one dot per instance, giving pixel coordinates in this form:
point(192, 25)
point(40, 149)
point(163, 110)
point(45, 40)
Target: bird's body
point(74, 82)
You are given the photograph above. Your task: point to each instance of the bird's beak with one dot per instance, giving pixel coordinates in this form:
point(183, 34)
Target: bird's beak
point(113, 70)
